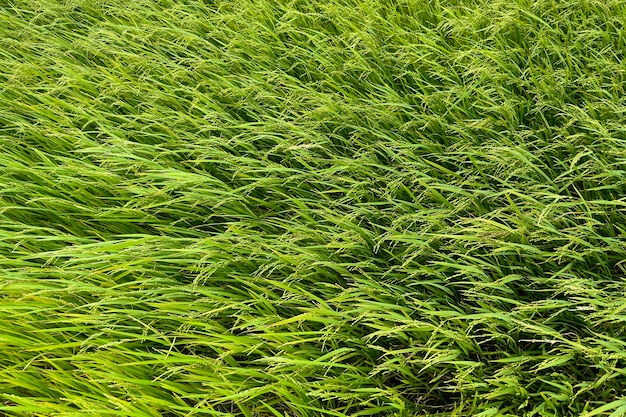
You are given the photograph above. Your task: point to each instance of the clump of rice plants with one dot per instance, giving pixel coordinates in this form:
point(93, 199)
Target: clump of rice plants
point(312, 208)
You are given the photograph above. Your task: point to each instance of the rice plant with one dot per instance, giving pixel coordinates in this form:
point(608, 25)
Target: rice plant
point(290, 208)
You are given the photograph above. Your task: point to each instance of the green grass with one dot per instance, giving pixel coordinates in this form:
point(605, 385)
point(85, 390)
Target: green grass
point(302, 208)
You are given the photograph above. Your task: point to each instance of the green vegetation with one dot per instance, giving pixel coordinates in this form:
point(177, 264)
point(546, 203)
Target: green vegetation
point(312, 208)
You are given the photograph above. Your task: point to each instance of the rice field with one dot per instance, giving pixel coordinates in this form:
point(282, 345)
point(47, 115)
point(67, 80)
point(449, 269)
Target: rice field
point(290, 208)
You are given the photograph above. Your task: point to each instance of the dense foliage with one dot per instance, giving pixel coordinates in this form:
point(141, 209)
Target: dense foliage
point(312, 208)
